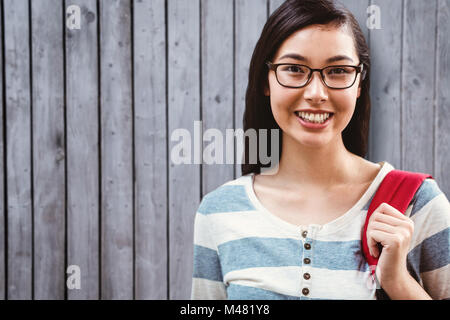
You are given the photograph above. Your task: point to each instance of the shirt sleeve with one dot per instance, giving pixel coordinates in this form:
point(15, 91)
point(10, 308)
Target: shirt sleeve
point(207, 279)
point(428, 260)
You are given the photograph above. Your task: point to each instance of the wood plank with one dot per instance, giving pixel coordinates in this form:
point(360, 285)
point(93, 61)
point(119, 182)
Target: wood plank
point(18, 122)
point(116, 151)
point(217, 92)
point(3, 212)
point(82, 151)
point(442, 125)
point(250, 17)
point(384, 138)
point(359, 9)
point(150, 142)
point(48, 148)
point(274, 5)
point(183, 110)
point(418, 86)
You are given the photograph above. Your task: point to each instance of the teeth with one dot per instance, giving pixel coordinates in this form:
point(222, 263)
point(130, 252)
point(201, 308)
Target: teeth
point(318, 118)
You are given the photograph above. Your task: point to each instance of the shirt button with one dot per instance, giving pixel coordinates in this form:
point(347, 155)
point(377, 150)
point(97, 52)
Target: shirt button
point(304, 234)
point(307, 261)
point(305, 291)
point(307, 246)
point(306, 276)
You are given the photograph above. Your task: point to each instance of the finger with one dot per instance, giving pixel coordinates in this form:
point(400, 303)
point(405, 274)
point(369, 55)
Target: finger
point(372, 244)
point(407, 224)
point(385, 209)
point(388, 219)
point(391, 211)
point(382, 237)
point(393, 216)
point(384, 227)
point(375, 236)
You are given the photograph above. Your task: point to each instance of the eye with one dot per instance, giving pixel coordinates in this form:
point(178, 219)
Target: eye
point(293, 69)
point(338, 71)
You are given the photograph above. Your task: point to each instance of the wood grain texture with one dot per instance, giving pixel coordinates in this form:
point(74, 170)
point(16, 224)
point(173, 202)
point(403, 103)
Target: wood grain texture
point(83, 151)
point(418, 80)
point(183, 110)
point(150, 149)
point(116, 151)
point(385, 123)
point(274, 4)
point(48, 148)
point(217, 92)
point(18, 143)
point(442, 125)
point(3, 210)
point(359, 9)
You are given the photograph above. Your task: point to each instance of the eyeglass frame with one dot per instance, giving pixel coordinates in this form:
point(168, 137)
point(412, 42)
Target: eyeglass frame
point(359, 69)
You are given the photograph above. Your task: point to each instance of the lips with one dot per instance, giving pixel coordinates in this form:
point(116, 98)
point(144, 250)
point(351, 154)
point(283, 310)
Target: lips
point(314, 125)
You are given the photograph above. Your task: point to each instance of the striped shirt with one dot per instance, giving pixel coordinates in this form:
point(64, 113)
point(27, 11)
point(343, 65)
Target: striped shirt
point(242, 251)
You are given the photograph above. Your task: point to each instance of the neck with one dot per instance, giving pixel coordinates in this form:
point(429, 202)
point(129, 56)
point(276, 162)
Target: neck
point(324, 167)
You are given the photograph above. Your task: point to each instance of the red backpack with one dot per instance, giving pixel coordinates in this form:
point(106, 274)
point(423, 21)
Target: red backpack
point(397, 189)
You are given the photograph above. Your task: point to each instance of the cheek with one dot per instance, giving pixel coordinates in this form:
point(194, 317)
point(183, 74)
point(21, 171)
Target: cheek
point(344, 103)
point(282, 101)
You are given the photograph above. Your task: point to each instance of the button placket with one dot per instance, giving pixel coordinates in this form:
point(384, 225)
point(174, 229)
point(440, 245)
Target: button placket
point(306, 267)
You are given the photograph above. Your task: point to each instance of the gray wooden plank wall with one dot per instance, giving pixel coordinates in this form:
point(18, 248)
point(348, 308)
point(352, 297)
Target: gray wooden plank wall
point(88, 114)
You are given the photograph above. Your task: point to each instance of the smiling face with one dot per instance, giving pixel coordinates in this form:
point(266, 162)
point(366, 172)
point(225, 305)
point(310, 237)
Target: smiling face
point(316, 45)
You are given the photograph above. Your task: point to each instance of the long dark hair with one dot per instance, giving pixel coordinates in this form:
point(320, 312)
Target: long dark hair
point(290, 17)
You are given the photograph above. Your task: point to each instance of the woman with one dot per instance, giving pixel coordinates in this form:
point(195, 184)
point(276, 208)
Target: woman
point(294, 231)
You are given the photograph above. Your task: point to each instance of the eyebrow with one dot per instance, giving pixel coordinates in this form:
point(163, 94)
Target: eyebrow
point(302, 58)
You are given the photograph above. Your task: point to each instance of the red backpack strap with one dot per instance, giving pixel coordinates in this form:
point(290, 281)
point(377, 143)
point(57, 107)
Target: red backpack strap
point(397, 189)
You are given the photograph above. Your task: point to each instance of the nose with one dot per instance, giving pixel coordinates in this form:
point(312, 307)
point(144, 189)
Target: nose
point(316, 91)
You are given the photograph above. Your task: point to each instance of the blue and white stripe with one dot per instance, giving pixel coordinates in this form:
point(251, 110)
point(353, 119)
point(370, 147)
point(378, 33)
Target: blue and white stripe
point(242, 251)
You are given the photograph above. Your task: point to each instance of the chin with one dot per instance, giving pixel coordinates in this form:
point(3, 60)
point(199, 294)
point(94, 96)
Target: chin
point(310, 141)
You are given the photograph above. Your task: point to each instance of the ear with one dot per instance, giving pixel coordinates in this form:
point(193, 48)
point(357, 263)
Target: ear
point(359, 89)
point(362, 77)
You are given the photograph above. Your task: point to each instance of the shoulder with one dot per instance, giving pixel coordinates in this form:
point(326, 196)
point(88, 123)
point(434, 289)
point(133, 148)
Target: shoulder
point(431, 216)
point(367, 170)
point(430, 212)
point(229, 197)
point(429, 255)
point(430, 195)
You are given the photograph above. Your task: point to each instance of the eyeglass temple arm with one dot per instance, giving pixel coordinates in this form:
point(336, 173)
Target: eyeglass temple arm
point(363, 71)
point(270, 65)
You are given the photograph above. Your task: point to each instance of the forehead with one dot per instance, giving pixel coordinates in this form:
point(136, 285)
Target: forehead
point(317, 43)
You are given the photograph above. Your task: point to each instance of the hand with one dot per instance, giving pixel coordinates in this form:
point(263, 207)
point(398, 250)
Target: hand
point(394, 231)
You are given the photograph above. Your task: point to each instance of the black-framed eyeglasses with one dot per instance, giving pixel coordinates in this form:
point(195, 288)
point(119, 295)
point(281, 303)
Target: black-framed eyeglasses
point(291, 75)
